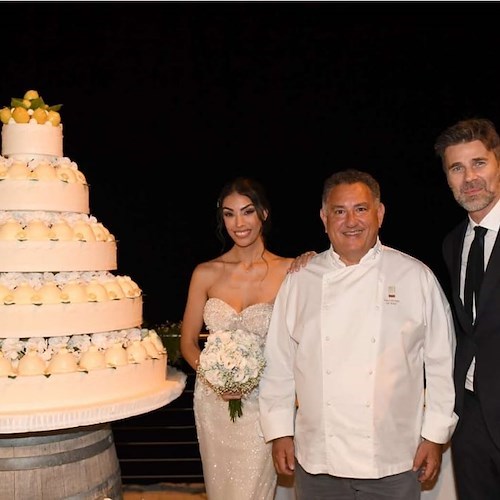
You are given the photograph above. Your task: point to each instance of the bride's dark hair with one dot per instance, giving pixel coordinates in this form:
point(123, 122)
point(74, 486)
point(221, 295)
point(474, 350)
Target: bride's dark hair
point(257, 194)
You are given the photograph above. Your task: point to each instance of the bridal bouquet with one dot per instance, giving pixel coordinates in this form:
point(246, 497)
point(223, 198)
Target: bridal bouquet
point(232, 361)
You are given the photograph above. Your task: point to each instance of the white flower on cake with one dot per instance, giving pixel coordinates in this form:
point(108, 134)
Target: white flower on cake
point(53, 288)
point(232, 361)
point(79, 343)
point(38, 345)
point(135, 334)
point(12, 348)
point(55, 344)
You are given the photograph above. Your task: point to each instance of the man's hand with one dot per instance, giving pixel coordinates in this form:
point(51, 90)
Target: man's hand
point(301, 261)
point(427, 460)
point(284, 455)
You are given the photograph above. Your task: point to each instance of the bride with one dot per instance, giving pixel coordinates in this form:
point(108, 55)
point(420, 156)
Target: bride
point(236, 290)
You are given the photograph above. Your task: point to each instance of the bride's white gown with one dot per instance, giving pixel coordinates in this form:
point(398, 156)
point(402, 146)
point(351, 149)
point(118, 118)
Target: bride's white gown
point(237, 463)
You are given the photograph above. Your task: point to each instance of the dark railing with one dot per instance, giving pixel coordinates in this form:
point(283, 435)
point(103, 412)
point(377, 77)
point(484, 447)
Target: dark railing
point(161, 446)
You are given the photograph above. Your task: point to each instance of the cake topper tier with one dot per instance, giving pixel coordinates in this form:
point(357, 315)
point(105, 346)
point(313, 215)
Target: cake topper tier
point(31, 129)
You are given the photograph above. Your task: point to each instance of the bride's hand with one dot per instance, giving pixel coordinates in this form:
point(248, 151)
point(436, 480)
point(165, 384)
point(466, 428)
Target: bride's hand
point(231, 395)
point(301, 261)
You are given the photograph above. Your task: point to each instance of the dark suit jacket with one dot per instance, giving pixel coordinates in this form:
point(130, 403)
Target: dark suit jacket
point(481, 340)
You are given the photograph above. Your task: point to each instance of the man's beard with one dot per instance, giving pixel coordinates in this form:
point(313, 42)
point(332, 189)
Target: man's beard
point(474, 203)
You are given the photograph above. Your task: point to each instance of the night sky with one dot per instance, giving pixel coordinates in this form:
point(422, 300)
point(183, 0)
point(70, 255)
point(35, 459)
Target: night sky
point(287, 93)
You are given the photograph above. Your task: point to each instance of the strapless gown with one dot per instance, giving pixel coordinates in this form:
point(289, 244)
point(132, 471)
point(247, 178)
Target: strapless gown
point(237, 463)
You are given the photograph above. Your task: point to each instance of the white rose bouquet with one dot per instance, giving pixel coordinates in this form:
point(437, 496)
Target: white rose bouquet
point(232, 361)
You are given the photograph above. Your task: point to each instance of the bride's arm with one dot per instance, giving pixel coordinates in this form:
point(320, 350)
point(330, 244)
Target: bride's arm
point(192, 321)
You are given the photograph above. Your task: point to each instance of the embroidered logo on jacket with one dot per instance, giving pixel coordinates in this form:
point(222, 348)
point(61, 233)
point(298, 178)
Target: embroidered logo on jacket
point(390, 297)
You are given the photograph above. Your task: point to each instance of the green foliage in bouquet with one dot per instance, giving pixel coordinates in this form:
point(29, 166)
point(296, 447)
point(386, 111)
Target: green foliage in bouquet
point(170, 334)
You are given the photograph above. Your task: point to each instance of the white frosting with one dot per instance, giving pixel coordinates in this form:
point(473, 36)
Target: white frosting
point(44, 195)
point(31, 140)
point(36, 393)
point(56, 185)
point(33, 256)
point(27, 320)
point(157, 392)
point(36, 241)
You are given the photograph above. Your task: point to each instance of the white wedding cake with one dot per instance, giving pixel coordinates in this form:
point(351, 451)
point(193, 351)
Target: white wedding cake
point(72, 348)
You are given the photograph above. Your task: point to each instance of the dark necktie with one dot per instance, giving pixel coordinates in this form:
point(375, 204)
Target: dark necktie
point(475, 271)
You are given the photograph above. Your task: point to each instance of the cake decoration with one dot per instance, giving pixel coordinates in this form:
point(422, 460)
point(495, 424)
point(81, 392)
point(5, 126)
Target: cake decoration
point(31, 108)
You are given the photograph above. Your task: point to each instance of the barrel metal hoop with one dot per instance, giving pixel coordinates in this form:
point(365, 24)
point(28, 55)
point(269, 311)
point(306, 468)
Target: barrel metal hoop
point(54, 459)
point(40, 439)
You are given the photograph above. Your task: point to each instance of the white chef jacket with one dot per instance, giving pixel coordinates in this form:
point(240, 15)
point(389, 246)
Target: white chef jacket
point(348, 344)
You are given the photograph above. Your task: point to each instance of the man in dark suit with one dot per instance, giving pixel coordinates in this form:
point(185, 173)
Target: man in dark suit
point(470, 155)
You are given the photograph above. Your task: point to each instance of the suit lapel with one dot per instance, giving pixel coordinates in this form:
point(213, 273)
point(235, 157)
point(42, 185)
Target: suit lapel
point(491, 278)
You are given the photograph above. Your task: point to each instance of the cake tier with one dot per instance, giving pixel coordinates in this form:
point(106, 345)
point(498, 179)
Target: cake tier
point(40, 392)
point(27, 320)
point(33, 256)
point(43, 185)
point(50, 241)
point(42, 195)
point(32, 141)
point(39, 403)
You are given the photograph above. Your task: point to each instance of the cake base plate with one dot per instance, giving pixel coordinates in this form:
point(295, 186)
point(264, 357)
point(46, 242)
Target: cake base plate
point(70, 417)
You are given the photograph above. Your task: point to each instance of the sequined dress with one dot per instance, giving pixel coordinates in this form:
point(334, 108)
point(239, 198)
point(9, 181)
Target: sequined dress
point(237, 463)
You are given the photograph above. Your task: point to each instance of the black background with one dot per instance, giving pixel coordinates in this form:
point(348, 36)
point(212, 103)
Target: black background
point(163, 102)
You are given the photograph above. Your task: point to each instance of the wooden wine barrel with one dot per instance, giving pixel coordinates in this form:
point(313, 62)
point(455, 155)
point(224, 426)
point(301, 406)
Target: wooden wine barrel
point(73, 464)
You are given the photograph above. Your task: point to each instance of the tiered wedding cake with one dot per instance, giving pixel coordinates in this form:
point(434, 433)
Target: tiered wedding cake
point(72, 350)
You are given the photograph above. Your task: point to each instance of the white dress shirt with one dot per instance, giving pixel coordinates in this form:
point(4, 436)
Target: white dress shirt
point(349, 344)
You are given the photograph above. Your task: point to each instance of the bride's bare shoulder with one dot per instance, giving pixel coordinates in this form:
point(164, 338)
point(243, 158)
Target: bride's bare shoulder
point(215, 265)
point(279, 261)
